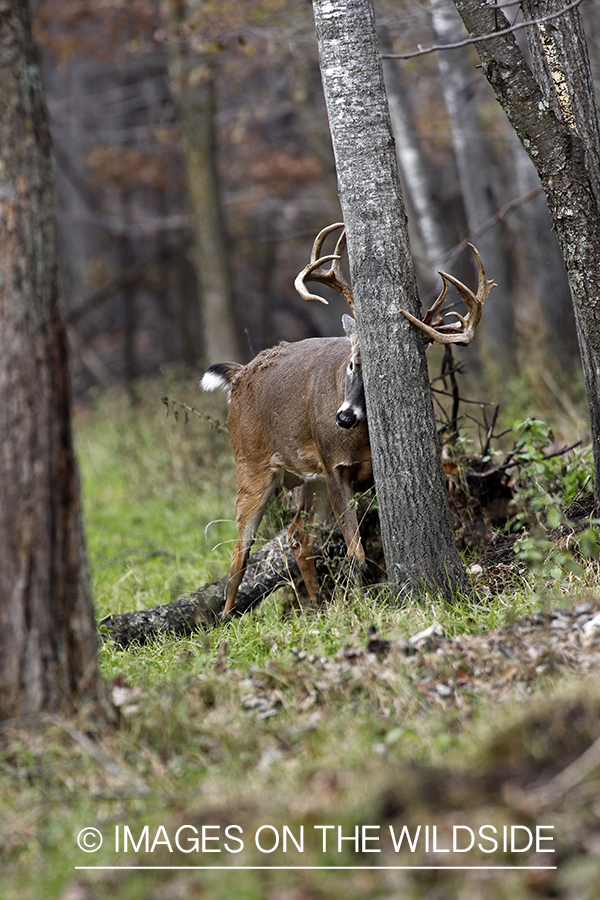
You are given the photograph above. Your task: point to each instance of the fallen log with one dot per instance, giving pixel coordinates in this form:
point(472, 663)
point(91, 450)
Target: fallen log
point(273, 565)
point(270, 567)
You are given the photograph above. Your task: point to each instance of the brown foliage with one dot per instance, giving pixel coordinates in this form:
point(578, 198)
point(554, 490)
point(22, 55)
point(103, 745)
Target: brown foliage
point(133, 167)
point(70, 28)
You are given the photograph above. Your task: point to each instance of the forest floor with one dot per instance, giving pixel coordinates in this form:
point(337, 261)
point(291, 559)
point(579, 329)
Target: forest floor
point(473, 726)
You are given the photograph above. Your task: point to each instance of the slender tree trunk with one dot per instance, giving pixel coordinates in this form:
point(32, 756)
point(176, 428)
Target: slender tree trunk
point(47, 629)
point(473, 166)
point(544, 276)
point(560, 136)
point(192, 83)
point(416, 528)
point(130, 311)
point(415, 176)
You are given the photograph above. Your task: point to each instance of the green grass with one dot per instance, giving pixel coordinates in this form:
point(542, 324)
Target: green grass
point(158, 501)
point(274, 730)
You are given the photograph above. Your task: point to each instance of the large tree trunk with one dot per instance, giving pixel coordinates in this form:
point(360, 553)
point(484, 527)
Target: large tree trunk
point(416, 528)
point(47, 629)
point(561, 66)
point(556, 119)
point(193, 87)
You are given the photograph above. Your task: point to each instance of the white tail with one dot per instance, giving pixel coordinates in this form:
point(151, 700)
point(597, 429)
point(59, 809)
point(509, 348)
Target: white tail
point(218, 378)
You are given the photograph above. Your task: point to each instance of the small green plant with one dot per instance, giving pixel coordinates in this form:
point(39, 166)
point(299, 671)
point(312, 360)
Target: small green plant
point(546, 477)
point(549, 483)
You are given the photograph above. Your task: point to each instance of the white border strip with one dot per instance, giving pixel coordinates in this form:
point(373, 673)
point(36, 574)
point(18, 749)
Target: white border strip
point(318, 868)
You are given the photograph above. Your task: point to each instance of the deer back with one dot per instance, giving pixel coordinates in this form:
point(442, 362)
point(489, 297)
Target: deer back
point(283, 407)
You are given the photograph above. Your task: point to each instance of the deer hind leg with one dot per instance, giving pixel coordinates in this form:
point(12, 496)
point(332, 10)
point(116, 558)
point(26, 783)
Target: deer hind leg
point(252, 498)
point(314, 505)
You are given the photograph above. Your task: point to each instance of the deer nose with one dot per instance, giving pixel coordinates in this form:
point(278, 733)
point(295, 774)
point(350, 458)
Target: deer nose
point(346, 418)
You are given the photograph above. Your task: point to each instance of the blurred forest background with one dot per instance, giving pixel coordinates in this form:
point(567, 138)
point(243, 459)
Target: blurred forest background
point(194, 167)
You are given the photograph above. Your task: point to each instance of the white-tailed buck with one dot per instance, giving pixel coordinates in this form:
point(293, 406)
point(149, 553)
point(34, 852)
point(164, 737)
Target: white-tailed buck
point(299, 408)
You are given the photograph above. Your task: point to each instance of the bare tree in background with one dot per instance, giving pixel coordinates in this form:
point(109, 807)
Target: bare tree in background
point(542, 274)
point(416, 528)
point(193, 87)
point(474, 172)
point(552, 107)
point(416, 179)
point(47, 629)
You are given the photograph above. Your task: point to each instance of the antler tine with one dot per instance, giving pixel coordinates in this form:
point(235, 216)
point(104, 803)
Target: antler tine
point(485, 285)
point(439, 302)
point(462, 331)
point(318, 242)
point(333, 276)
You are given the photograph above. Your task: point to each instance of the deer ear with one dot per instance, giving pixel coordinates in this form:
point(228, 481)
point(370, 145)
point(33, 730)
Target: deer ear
point(349, 325)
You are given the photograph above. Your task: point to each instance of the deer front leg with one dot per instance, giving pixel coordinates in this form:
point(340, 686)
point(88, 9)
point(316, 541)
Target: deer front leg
point(251, 501)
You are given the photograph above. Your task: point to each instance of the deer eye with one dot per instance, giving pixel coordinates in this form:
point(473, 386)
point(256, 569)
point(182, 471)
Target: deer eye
point(350, 366)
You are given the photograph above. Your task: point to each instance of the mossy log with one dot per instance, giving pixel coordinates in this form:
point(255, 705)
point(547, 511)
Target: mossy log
point(271, 566)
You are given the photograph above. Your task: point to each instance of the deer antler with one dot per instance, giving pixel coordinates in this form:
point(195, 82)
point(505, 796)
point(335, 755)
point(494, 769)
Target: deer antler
point(463, 331)
point(333, 276)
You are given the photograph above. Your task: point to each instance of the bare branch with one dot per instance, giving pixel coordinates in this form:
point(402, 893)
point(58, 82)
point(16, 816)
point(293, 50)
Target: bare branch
point(511, 463)
point(486, 447)
point(422, 51)
point(493, 220)
point(214, 423)
point(463, 399)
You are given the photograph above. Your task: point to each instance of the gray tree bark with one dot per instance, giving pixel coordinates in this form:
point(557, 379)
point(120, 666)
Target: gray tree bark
point(47, 628)
point(416, 527)
point(556, 118)
point(193, 88)
point(561, 66)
